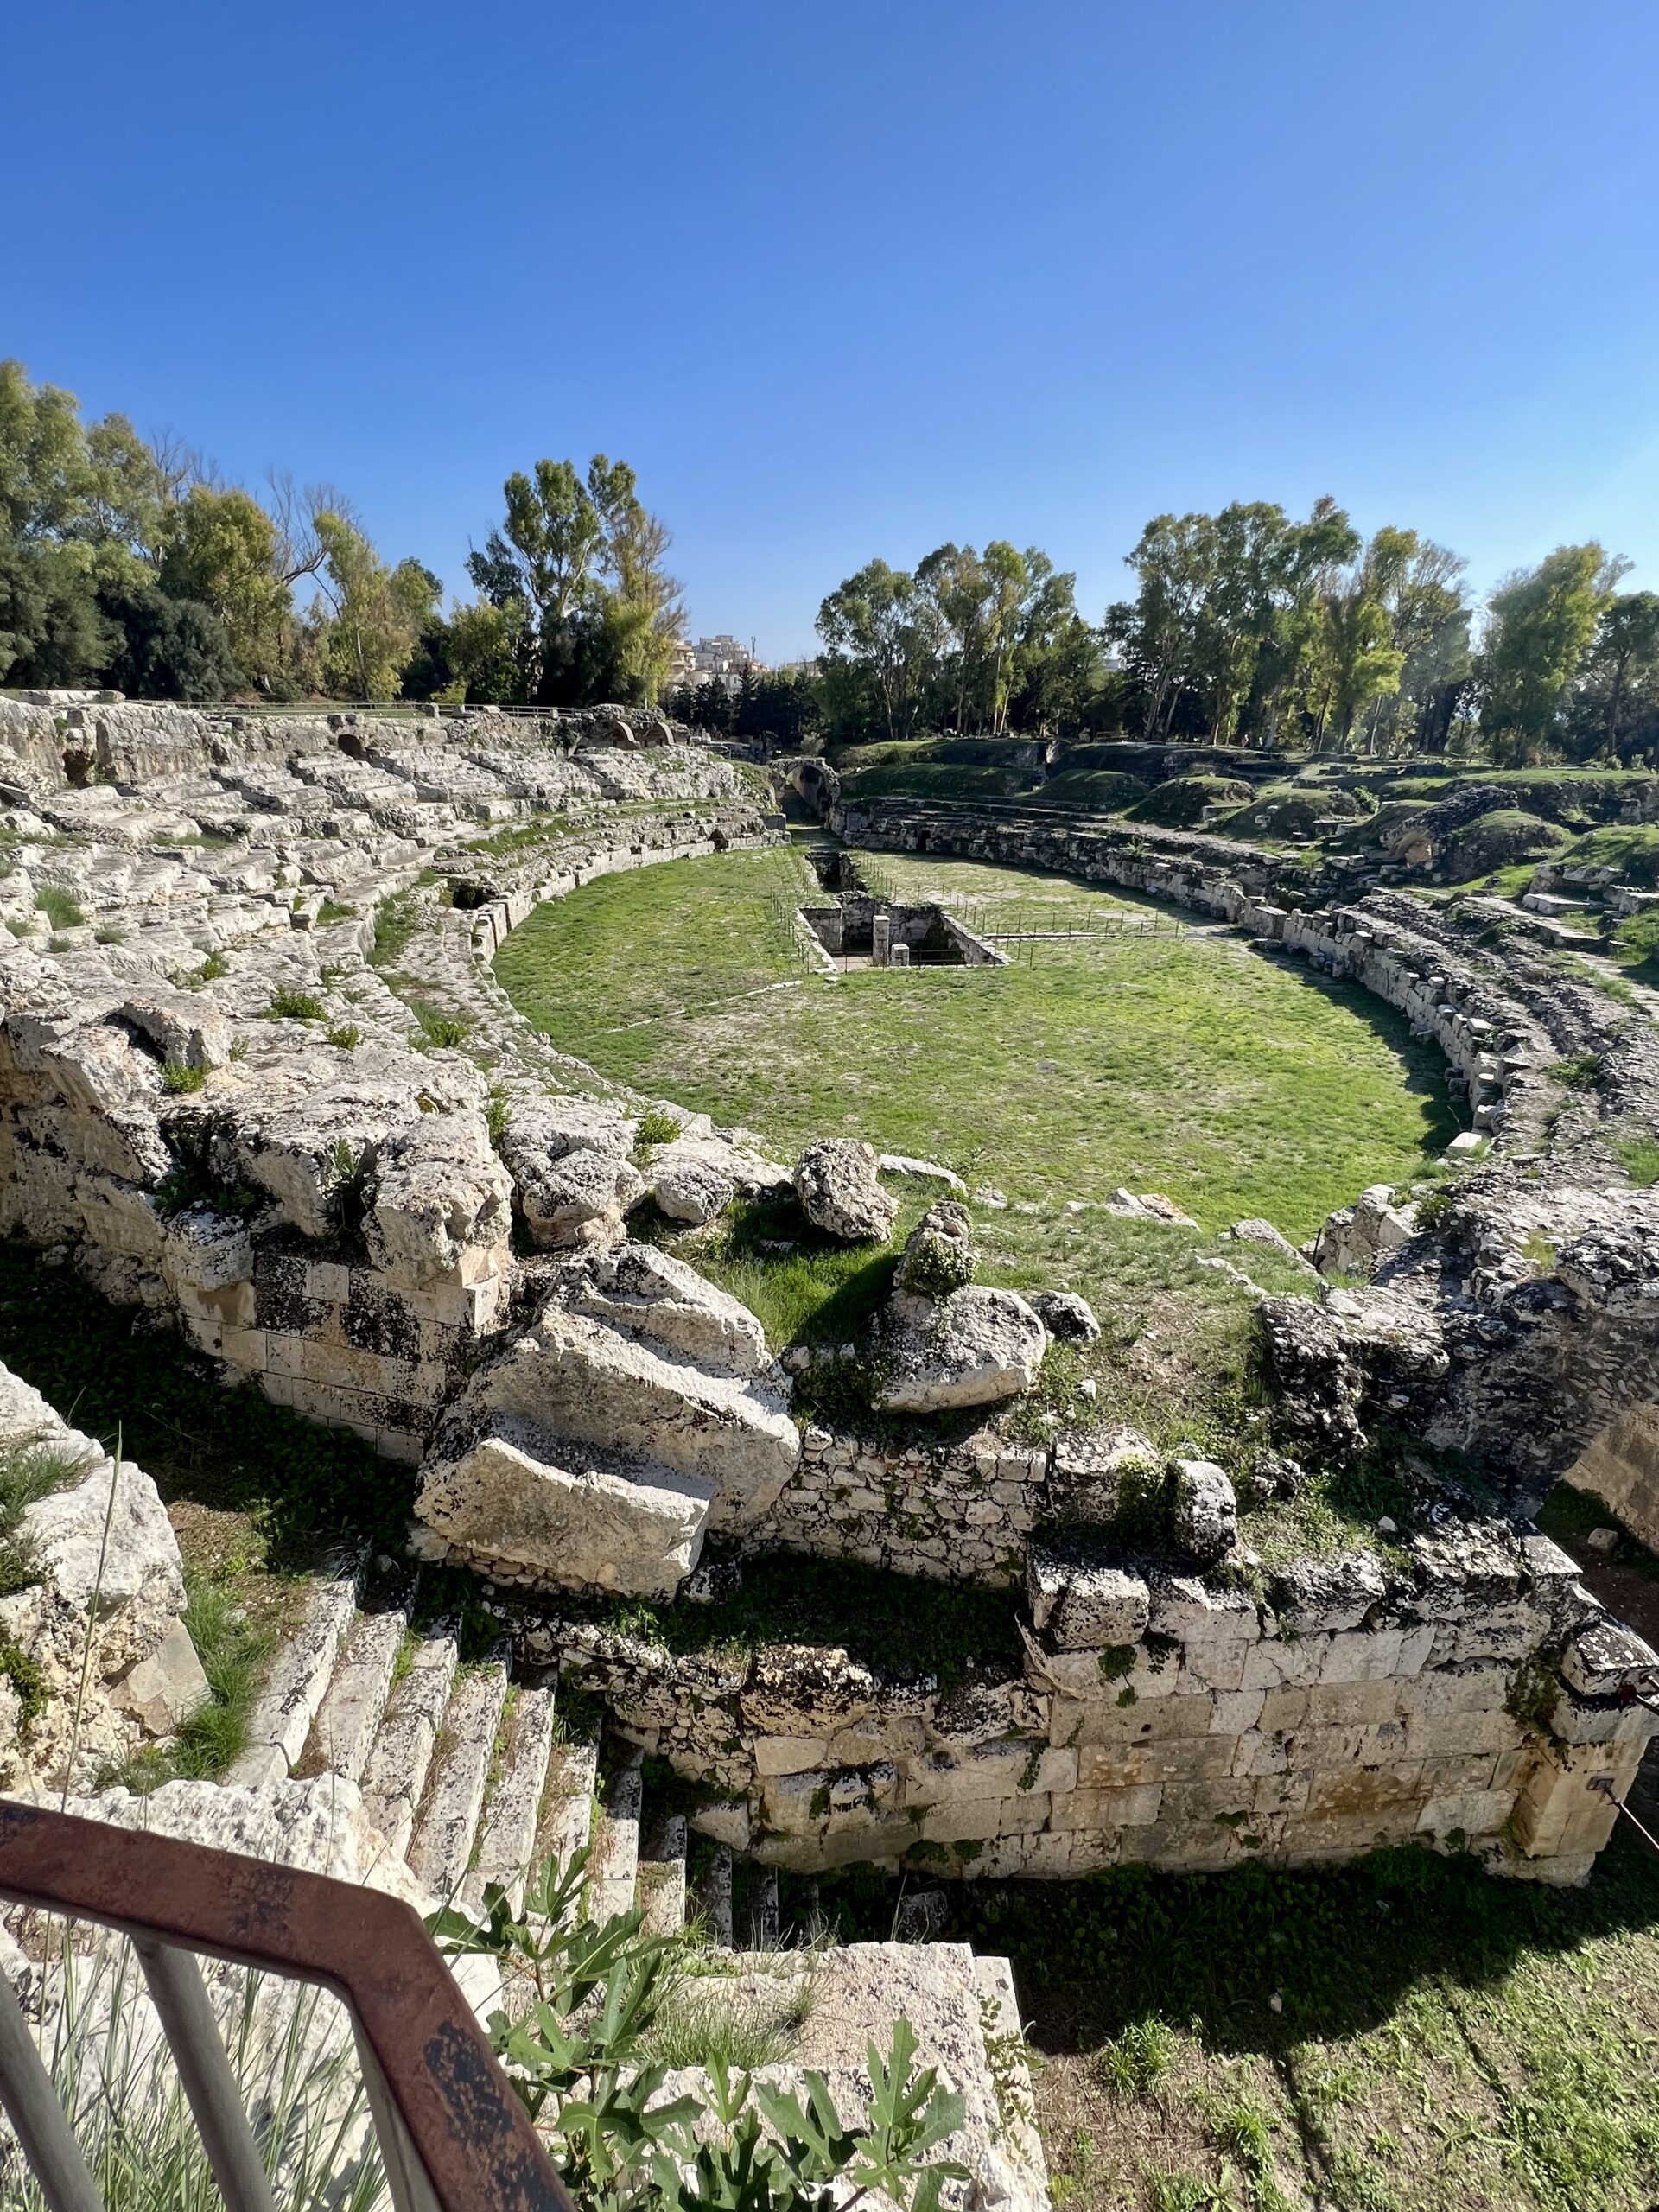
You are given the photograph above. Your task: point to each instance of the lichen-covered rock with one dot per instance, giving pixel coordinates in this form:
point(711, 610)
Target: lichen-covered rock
point(836, 1182)
point(1085, 1606)
point(1357, 1239)
point(972, 1349)
point(657, 1296)
point(1085, 1481)
point(574, 1515)
point(1068, 1319)
point(1319, 1382)
point(579, 1200)
point(1256, 1231)
point(441, 1199)
point(1204, 1509)
point(939, 1253)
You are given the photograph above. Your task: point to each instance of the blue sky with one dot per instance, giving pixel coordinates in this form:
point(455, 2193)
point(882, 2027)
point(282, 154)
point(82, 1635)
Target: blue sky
point(851, 279)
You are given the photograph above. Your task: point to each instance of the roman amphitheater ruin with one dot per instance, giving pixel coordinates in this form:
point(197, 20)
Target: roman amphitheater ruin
point(263, 1090)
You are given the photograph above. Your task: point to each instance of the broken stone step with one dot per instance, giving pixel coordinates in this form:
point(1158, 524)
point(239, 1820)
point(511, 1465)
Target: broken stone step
point(355, 1701)
point(444, 1833)
point(300, 1674)
point(659, 1886)
point(509, 1827)
point(615, 1867)
point(394, 1777)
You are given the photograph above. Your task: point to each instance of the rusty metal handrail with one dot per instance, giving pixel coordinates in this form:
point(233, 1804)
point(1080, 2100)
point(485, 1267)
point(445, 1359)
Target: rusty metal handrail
point(429, 2067)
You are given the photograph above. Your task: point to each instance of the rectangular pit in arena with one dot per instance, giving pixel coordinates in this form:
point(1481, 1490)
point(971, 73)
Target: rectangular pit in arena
point(859, 929)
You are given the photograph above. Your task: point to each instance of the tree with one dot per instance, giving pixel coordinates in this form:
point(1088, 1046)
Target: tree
point(220, 550)
point(1618, 670)
point(376, 612)
point(585, 559)
point(882, 633)
point(165, 648)
point(1539, 623)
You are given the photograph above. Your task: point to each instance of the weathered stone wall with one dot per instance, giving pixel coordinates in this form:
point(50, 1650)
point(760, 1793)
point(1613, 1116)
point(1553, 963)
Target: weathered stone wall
point(1470, 1694)
point(957, 1514)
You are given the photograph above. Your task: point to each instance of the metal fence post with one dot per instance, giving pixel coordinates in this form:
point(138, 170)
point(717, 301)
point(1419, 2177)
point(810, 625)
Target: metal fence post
point(33, 2108)
point(175, 1988)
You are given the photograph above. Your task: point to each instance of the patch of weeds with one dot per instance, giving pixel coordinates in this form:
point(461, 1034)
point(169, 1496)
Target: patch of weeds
point(395, 922)
point(497, 1114)
point(1539, 1251)
point(109, 937)
point(351, 1186)
point(346, 1035)
point(440, 1031)
point(28, 1680)
point(179, 1078)
point(289, 1004)
point(232, 1652)
point(61, 908)
point(28, 1472)
point(657, 1125)
point(1136, 2062)
point(1639, 1157)
point(211, 970)
point(1583, 1071)
point(703, 2022)
point(334, 910)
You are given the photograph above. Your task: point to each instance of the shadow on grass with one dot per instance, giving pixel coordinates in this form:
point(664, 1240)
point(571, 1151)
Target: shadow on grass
point(1340, 1947)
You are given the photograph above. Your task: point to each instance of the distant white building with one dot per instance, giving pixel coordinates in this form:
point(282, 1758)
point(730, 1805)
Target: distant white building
point(714, 660)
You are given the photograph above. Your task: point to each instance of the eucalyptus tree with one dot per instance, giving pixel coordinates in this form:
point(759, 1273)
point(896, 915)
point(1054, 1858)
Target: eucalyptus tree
point(1539, 625)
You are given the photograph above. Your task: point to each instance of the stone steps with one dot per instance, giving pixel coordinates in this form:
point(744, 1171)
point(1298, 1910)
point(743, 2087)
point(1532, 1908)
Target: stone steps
point(567, 1802)
point(506, 1844)
point(659, 1883)
point(394, 1777)
point(441, 1849)
point(355, 1701)
point(613, 1870)
point(286, 1706)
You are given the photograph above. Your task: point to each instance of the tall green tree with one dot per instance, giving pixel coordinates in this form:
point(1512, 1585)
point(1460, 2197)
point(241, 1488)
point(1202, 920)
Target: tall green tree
point(377, 613)
point(882, 636)
point(1619, 674)
point(1540, 624)
point(586, 559)
point(219, 547)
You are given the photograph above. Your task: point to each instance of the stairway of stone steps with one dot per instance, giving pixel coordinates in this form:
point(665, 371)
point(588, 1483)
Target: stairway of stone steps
point(460, 1767)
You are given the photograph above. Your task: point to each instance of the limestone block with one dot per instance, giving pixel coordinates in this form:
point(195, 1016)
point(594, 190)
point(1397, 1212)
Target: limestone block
point(182, 1026)
point(658, 1296)
point(798, 1689)
point(781, 1755)
point(836, 1182)
point(1205, 1511)
point(1605, 1657)
point(1311, 1595)
point(589, 1520)
point(1475, 1686)
point(164, 1690)
point(972, 1349)
point(121, 1552)
point(1085, 1607)
point(1191, 1758)
point(1276, 1664)
point(977, 1819)
point(1476, 1812)
point(441, 1196)
point(1105, 1810)
point(1376, 1654)
point(563, 1200)
point(1569, 1801)
point(576, 1378)
point(991, 1771)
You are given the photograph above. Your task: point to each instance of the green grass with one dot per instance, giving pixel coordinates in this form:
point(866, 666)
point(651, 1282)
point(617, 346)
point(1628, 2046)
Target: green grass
point(233, 1651)
point(1438, 2037)
point(289, 1004)
point(61, 908)
point(1238, 1085)
point(1639, 1156)
point(439, 1029)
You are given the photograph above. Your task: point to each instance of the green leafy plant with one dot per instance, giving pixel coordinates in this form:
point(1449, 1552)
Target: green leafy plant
point(1581, 1073)
point(395, 920)
point(211, 970)
point(440, 1028)
point(579, 2057)
point(61, 908)
point(346, 1035)
point(178, 1077)
point(656, 1126)
point(289, 1004)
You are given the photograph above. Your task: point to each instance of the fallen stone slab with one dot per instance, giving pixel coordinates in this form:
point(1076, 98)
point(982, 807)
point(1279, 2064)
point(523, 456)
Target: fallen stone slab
point(836, 1182)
